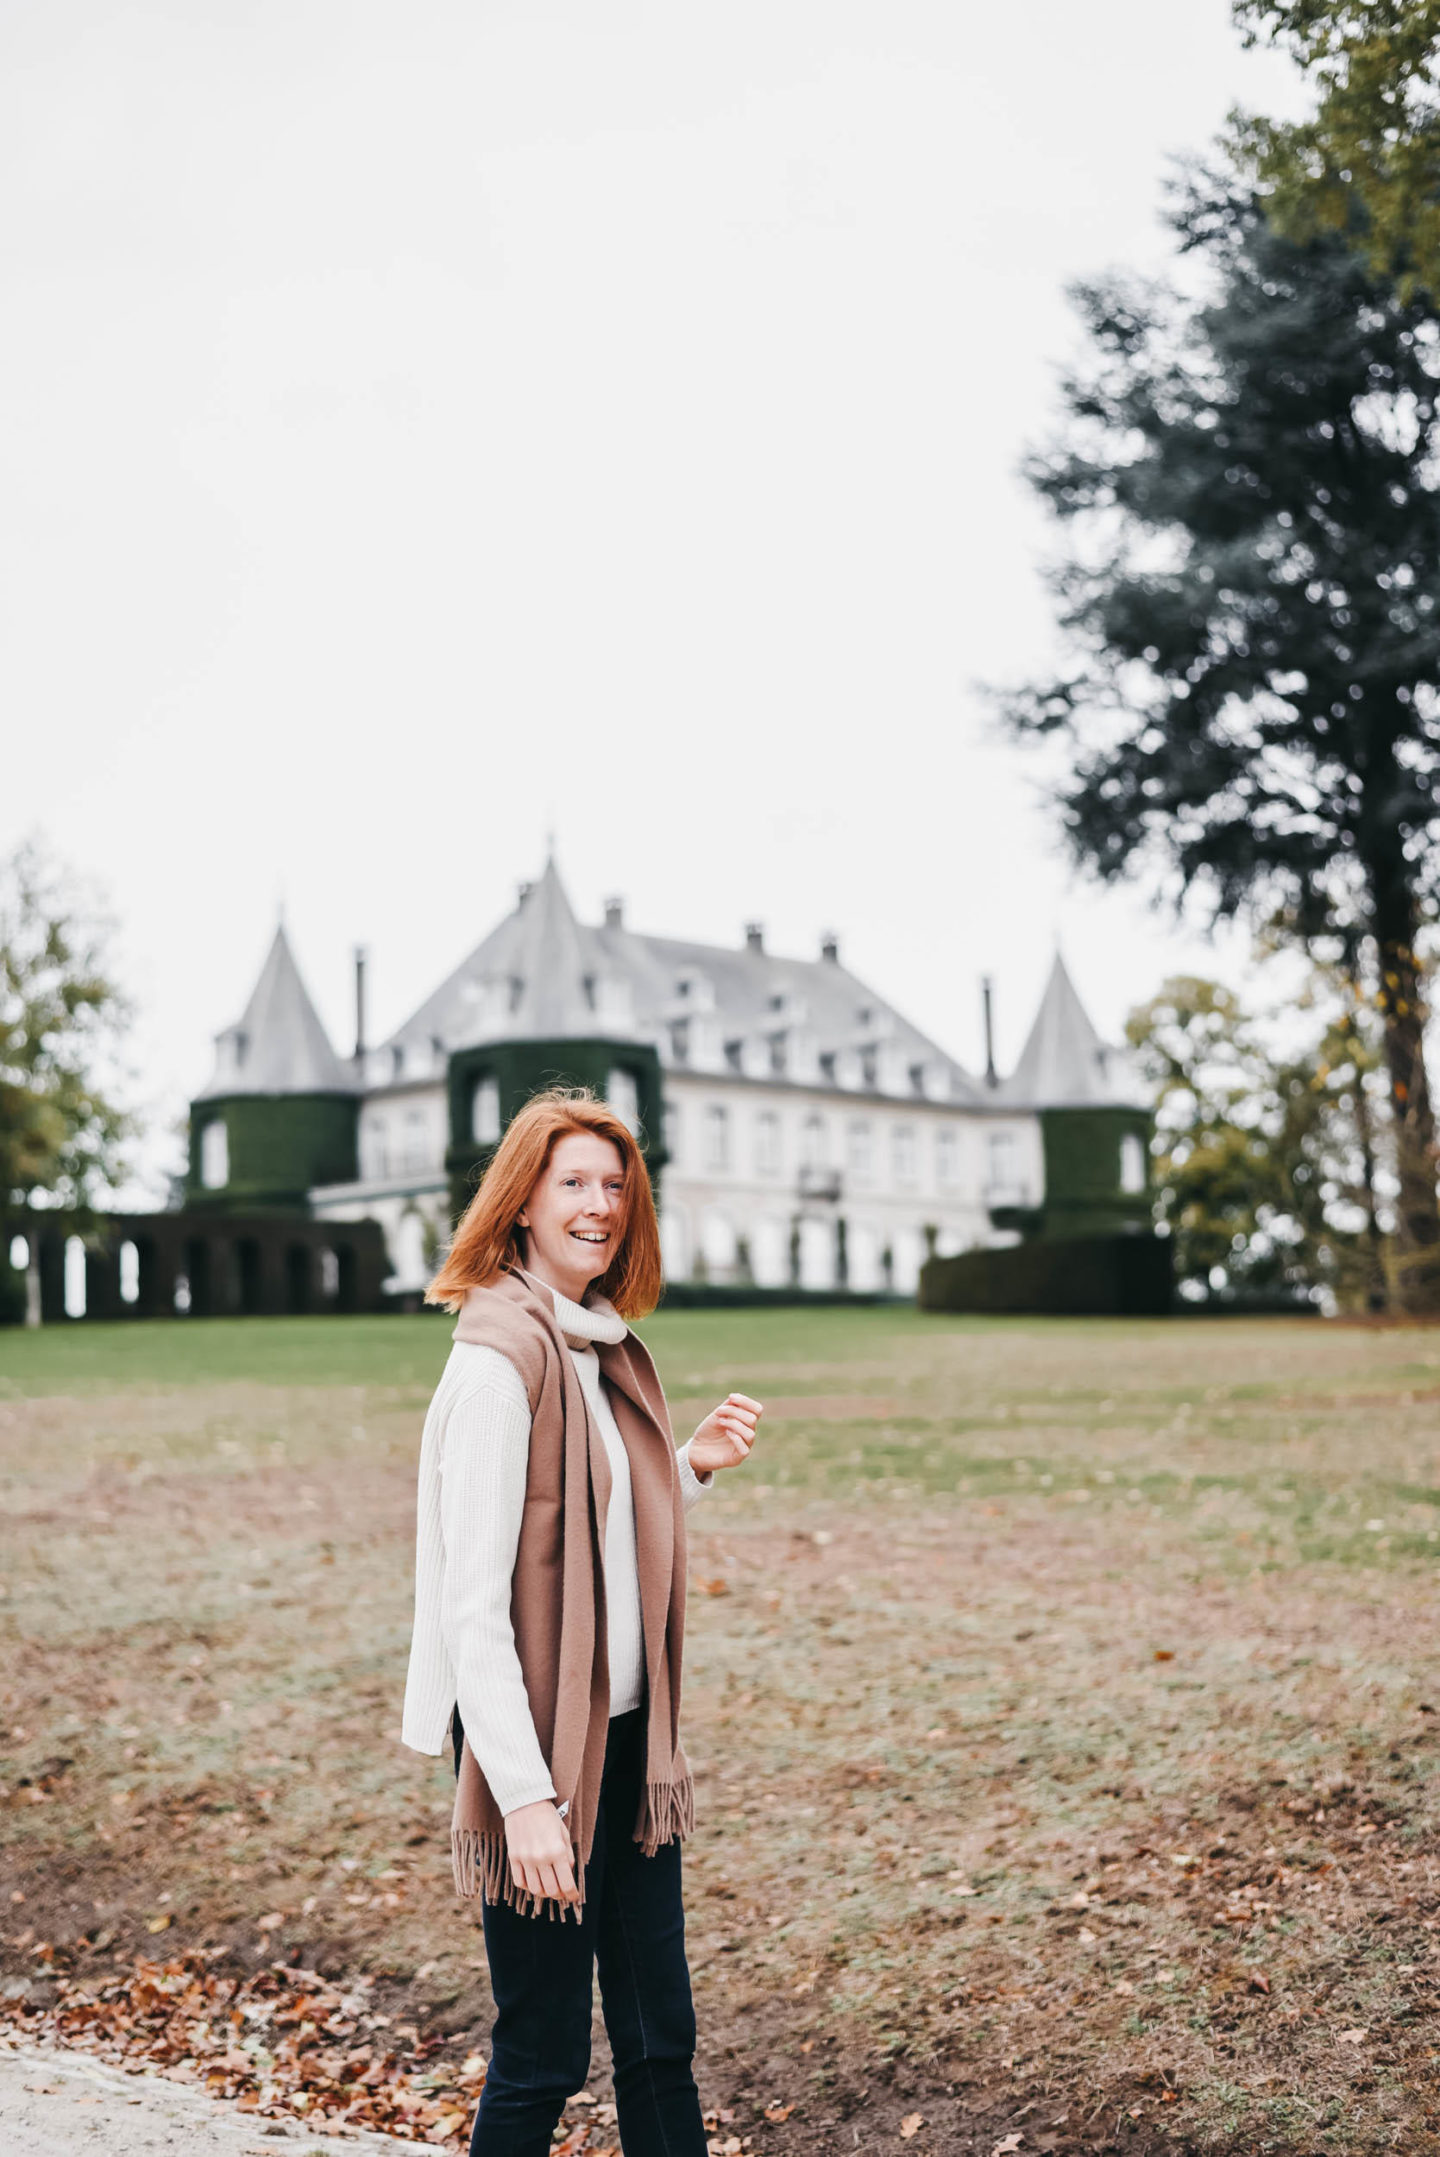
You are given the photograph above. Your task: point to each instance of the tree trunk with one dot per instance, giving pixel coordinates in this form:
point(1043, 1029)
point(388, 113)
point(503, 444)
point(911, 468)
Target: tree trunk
point(1417, 1210)
point(1377, 1289)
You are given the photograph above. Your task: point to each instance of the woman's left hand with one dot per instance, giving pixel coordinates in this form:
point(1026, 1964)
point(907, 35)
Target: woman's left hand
point(725, 1437)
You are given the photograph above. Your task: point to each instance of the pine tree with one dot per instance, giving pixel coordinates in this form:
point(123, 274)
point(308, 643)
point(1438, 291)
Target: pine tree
point(1248, 489)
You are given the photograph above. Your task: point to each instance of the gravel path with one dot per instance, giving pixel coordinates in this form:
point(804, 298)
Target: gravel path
point(63, 2104)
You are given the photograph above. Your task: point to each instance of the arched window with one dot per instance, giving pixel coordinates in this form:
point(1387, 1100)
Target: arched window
point(485, 1112)
point(215, 1155)
point(74, 1277)
point(624, 1097)
point(1132, 1163)
point(129, 1273)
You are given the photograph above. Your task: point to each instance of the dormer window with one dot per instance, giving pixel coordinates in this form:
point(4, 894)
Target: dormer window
point(683, 985)
point(735, 1055)
point(827, 1066)
point(779, 1056)
point(397, 1061)
point(517, 990)
point(587, 990)
point(917, 1080)
point(869, 1066)
point(680, 1040)
point(242, 1048)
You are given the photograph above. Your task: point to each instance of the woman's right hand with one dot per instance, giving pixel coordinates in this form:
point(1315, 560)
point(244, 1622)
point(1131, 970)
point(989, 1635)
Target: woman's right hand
point(540, 1856)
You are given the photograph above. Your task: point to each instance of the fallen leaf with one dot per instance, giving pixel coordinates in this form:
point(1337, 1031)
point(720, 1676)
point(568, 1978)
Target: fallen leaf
point(1259, 1982)
point(1353, 2037)
point(1086, 1937)
point(713, 1587)
point(911, 2125)
point(776, 2113)
point(1009, 2143)
point(1164, 1655)
point(272, 1921)
point(160, 1924)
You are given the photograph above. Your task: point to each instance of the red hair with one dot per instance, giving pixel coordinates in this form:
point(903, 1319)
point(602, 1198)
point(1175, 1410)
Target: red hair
point(488, 1240)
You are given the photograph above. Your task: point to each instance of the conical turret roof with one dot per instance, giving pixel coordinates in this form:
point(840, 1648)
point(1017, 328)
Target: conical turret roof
point(280, 1045)
point(555, 995)
point(1064, 1063)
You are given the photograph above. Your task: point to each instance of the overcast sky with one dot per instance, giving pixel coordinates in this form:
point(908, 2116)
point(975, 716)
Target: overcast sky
point(425, 426)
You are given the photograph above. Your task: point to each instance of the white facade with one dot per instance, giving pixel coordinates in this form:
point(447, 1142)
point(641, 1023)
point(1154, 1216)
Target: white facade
point(815, 1137)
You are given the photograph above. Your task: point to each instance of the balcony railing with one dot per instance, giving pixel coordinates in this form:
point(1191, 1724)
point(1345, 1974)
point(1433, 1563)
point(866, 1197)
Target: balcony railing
point(823, 1183)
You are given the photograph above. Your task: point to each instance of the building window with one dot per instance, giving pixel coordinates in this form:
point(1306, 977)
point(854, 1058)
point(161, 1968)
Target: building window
point(129, 1273)
point(717, 1140)
point(1000, 1151)
point(813, 1148)
point(902, 1153)
point(860, 1151)
point(1132, 1163)
point(397, 1061)
point(414, 1140)
point(869, 1067)
point(623, 1095)
point(947, 1159)
point(767, 1143)
point(680, 1040)
point(215, 1155)
point(779, 1056)
point(485, 1112)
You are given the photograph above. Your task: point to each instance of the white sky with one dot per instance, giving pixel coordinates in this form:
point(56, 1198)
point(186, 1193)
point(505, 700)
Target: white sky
point(422, 425)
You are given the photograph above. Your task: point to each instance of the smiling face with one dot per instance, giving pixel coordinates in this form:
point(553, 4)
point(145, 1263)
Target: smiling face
point(574, 1216)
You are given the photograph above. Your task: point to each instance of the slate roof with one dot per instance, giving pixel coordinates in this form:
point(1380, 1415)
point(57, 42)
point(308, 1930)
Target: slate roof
point(279, 1046)
point(543, 973)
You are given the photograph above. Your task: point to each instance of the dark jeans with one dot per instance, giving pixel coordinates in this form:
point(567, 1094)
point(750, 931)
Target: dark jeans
point(632, 1927)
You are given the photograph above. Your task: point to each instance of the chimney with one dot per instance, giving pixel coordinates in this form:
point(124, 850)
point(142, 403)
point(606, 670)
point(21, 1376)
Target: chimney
point(987, 994)
point(359, 1004)
point(830, 947)
point(754, 936)
point(614, 913)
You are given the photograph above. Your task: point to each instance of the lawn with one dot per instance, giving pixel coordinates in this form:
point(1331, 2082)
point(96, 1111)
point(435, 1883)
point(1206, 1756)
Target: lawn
point(1062, 1699)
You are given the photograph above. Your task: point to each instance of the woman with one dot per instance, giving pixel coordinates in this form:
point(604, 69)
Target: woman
point(549, 1621)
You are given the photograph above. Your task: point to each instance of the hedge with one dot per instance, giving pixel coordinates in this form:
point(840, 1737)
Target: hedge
point(1083, 1276)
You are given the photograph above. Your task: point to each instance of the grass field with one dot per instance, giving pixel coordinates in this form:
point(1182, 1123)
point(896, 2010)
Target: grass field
point(1062, 1699)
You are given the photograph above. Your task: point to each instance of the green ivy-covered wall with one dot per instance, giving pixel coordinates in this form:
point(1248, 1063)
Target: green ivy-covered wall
point(522, 1069)
point(281, 1145)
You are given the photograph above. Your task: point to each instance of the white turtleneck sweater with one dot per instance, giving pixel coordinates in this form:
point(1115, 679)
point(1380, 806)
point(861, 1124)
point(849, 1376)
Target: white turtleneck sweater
point(474, 1459)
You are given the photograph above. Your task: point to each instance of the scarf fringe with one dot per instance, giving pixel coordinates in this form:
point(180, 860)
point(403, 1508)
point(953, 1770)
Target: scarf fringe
point(481, 1865)
point(669, 1814)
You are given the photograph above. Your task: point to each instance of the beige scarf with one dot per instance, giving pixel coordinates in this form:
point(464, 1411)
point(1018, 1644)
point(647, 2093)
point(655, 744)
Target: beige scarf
point(557, 1602)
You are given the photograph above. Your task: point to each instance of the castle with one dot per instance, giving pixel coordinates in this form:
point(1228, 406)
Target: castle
point(801, 1132)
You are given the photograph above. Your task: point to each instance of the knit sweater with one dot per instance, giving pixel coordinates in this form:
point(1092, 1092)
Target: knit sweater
point(473, 1464)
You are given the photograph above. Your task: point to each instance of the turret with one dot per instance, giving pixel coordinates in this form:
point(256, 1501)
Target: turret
point(279, 1113)
point(1095, 1132)
point(555, 1017)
